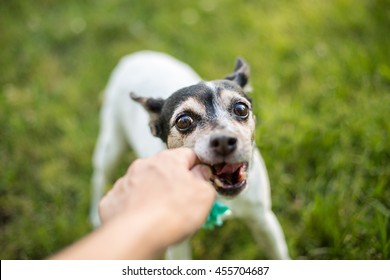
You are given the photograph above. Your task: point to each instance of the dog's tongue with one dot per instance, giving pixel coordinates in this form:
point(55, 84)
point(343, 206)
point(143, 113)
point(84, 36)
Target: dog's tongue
point(227, 168)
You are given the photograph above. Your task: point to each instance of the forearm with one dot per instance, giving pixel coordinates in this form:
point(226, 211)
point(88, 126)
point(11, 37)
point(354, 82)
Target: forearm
point(126, 237)
point(149, 209)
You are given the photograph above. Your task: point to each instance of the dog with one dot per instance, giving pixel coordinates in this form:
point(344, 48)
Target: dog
point(178, 109)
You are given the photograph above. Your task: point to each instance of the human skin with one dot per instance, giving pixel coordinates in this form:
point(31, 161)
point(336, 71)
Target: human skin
point(158, 202)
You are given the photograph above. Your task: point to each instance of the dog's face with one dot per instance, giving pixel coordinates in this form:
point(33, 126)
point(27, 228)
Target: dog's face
point(213, 118)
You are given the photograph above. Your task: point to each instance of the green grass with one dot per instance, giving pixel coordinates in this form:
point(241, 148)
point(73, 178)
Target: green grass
point(321, 78)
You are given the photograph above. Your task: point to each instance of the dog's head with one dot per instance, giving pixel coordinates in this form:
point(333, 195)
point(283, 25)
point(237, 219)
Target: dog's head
point(213, 118)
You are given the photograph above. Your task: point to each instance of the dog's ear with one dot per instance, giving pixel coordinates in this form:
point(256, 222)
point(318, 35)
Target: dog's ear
point(153, 106)
point(240, 75)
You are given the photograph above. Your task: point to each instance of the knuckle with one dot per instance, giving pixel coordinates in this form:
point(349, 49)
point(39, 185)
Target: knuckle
point(102, 204)
point(136, 165)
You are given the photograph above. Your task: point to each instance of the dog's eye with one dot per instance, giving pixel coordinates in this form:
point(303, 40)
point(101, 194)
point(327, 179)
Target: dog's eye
point(184, 122)
point(241, 110)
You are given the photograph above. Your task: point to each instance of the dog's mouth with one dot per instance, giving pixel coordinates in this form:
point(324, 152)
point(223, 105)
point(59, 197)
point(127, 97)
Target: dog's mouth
point(229, 179)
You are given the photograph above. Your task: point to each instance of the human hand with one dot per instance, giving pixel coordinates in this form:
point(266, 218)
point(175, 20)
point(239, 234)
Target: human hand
point(170, 190)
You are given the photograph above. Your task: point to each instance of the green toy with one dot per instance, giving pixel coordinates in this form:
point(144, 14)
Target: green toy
point(215, 216)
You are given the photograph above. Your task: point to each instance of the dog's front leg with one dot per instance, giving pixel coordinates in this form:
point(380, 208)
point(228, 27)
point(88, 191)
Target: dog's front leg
point(110, 146)
point(180, 251)
point(268, 233)
point(255, 208)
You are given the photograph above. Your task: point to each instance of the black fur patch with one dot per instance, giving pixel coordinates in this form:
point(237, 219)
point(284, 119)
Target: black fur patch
point(240, 74)
point(203, 94)
point(163, 109)
point(229, 85)
point(199, 91)
point(154, 105)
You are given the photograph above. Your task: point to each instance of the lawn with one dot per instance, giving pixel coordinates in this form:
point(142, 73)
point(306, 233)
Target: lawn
point(321, 78)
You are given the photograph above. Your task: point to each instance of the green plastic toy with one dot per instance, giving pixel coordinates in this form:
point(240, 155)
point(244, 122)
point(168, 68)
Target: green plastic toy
point(216, 214)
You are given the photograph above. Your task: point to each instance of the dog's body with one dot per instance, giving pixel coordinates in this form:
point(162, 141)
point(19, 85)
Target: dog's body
point(213, 118)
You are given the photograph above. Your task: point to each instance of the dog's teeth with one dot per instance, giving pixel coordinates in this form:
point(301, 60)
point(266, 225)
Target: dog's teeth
point(218, 183)
point(242, 175)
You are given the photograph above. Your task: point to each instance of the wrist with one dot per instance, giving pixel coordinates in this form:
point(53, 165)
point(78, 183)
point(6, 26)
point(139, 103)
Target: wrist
point(145, 234)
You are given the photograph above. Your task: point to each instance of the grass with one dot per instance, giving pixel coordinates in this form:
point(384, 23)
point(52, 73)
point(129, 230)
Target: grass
point(321, 78)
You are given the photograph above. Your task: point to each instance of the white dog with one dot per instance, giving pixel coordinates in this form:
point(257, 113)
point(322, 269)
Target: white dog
point(214, 118)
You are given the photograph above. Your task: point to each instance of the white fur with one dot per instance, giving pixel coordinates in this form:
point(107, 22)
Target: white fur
point(124, 122)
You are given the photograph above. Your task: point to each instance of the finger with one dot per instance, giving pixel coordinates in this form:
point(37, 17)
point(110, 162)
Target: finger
point(188, 157)
point(182, 157)
point(202, 171)
point(119, 184)
point(119, 187)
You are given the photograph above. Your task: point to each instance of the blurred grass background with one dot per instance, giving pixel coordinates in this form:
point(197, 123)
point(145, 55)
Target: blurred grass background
point(321, 78)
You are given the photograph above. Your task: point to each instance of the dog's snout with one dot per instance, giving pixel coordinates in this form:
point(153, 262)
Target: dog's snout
point(223, 145)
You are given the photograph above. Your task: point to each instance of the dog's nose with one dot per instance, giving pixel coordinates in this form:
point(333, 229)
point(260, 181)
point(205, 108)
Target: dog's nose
point(223, 145)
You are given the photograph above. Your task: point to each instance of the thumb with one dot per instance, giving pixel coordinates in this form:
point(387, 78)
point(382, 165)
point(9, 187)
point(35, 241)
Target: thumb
point(202, 171)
